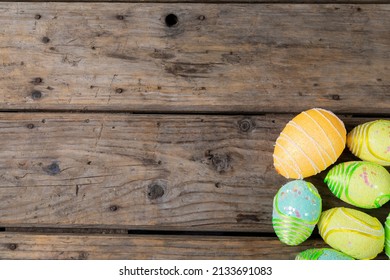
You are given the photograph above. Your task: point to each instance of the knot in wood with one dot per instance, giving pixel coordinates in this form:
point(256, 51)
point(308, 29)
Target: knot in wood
point(336, 97)
point(221, 162)
point(12, 246)
point(37, 81)
point(245, 125)
point(52, 169)
point(155, 191)
point(30, 126)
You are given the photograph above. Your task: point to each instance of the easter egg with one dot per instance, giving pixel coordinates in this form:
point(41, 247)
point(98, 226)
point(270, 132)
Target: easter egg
point(309, 143)
point(296, 209)
point(387, 235)
point(322, 254)
point(371, 141)
point(352, 232)
point(360, 183)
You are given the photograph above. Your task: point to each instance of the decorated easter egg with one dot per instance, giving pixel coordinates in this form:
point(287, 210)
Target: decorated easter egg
point(296, 209)
point(309, 143)
point(352, 232)
point(387, 233)
point(360, 183)
point(322, 254)
point(371, 141)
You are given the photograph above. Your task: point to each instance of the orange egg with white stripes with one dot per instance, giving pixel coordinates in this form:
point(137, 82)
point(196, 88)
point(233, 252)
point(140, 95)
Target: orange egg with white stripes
point(309, 143)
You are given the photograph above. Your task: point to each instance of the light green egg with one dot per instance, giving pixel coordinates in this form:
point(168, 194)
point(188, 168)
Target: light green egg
point(371, 141)
point(360, 183)
point(322, 254)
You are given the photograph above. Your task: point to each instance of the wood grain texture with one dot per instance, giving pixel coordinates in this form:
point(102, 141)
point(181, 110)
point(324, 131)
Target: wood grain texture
point(44, 246)
point(217, 58)
point(183, 172)
point(148, 247)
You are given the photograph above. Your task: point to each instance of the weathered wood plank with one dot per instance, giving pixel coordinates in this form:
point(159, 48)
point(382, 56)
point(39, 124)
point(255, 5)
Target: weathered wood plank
point(217, 58)
point(181, 172)
point(45, 246)
point(143, 247)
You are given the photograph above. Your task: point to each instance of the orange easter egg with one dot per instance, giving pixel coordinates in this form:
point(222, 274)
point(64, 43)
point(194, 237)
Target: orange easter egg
point(309, 143)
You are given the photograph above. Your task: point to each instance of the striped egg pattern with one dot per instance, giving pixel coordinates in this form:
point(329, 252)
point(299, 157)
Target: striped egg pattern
point(360, 183)
point(352, 232)
point(387, 233)
point(371, 141)
point(309, 143)
point(296, 210)
point(322, 254)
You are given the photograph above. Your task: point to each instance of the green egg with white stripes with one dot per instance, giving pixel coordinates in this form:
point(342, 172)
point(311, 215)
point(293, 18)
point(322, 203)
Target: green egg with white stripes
point(296, 210)
point(360, 183)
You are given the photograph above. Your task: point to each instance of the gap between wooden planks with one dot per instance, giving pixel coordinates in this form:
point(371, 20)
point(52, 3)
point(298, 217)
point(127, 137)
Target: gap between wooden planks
point(178, 172)
point(216, 58)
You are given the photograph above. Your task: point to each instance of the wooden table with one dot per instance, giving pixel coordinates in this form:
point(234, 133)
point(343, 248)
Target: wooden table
point(145, 130)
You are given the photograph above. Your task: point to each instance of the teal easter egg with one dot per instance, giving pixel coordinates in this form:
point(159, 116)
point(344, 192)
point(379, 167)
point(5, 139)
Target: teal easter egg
point(322, 254)
point(360, 183)
point(296, 210)
point(387, 236)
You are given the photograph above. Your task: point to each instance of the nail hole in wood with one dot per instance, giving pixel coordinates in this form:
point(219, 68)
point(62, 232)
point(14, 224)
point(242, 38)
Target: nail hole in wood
point(37, 16)
point(114, 208)
point(201, 17)
point(45, 40)
point(36, 94)
point(30, 126)
point(120, 17)
point(171, 20)
point(119, 90)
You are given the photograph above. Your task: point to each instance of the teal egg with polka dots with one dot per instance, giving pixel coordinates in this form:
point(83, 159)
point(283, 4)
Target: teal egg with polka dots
point(296, 210)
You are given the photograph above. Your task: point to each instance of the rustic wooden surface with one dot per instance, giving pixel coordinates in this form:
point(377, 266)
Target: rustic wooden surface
point(217, 58)
point(138, 171)
point(125, 138)
point(44, 246)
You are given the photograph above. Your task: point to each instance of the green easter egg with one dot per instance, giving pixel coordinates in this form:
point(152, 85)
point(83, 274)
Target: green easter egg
point(360, 183)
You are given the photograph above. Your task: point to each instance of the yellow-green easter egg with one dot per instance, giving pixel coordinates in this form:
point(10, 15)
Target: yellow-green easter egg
point(352, 232)
point(371, 141)
point(322, 254)
point(360, 183)
point(387, 233)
